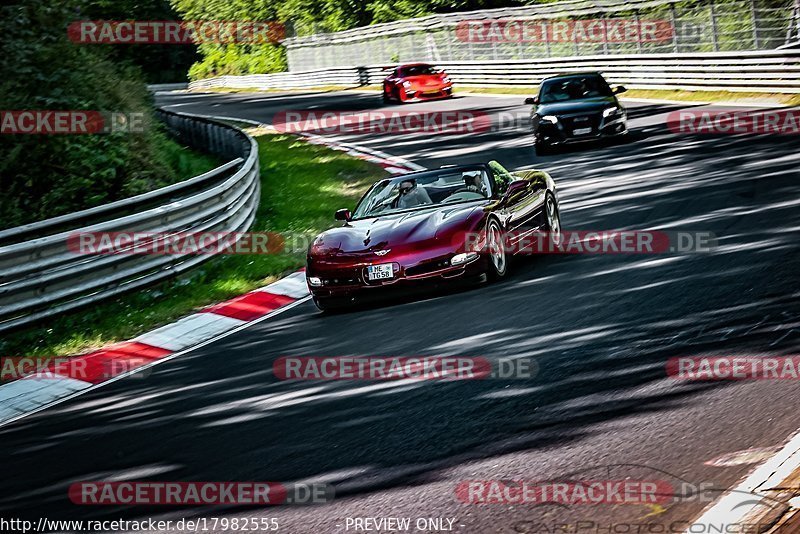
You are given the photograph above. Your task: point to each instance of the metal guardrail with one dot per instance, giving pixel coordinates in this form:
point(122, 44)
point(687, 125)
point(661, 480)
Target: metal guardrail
point(40, 276)
point(695, 26)
point(752, 71)
point(287, 80)
point(154, 88)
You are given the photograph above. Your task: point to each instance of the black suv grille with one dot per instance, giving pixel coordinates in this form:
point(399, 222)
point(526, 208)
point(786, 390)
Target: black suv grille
point(582, 121)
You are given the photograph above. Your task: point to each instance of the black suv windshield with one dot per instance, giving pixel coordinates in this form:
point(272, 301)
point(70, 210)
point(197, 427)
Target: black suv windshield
point(576, 87)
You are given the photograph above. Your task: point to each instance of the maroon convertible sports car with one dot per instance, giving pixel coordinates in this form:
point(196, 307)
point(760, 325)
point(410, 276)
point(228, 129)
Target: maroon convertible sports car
point(455, 222)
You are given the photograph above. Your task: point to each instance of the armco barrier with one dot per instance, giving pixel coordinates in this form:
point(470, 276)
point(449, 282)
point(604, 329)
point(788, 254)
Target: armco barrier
point(752, 71)
point(347, 76)
point(41, 277)
point(167, 87)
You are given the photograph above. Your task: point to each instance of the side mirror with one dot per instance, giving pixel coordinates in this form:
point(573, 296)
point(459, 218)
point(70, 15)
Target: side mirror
point(531, 101)
point(514, 188)
point(619, 89)
point(343, 215)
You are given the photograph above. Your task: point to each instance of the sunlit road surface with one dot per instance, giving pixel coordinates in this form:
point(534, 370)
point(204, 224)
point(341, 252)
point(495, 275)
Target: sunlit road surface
point(601, 328)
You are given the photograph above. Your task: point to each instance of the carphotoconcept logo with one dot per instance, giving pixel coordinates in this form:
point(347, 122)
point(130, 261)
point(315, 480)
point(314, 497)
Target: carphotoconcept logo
point(178, 32)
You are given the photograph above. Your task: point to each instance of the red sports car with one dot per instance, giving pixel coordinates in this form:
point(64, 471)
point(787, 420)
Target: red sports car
point(417, 81)
point(453, 223)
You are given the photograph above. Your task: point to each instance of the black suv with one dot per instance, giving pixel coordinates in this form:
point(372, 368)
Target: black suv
point(576, 107)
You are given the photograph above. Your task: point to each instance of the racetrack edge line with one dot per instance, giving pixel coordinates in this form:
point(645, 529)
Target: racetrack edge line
point(156, 362)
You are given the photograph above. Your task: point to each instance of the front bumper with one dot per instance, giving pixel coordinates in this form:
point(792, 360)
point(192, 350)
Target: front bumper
point(429, 93)
point(346, 280)
point(563, 131)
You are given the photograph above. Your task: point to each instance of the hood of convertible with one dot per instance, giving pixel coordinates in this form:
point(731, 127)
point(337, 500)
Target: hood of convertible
point(394, 235)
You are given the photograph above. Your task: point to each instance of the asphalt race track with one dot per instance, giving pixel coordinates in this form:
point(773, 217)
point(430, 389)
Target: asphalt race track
point(601, 328)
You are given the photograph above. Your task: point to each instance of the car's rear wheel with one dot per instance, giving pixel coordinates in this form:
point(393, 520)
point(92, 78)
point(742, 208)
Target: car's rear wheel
point(498, 255)
point(552, 218)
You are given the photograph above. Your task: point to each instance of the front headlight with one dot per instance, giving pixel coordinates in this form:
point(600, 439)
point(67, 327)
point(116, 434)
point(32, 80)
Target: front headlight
point(552, 119)
point(464, 257)
point(314, 281)
point(611, 111)
point(446, 79)
point(406, 84)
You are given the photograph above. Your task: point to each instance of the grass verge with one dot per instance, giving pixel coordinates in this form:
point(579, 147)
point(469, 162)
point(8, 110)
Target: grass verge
point(187, 163)
point(301, 186)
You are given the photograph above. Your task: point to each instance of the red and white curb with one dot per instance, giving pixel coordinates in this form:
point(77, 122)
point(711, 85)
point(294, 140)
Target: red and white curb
point(65, 380)
point(60, 382)
point(392, 164)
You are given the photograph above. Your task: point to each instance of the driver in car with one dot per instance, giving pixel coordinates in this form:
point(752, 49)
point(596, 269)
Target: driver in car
point(410, 195)
point(473, 183)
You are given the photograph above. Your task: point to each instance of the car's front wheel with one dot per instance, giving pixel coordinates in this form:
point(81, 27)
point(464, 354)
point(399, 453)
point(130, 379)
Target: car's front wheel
point(552, 218)
point(496, 246)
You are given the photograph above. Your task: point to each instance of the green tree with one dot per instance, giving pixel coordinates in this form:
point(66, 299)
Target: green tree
point(41, 69)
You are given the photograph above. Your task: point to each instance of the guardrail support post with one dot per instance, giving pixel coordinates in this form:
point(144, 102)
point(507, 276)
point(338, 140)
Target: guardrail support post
point(755, 23)
point(638, 31)
point(546, 31)
point(713, 15)
point(674, 16)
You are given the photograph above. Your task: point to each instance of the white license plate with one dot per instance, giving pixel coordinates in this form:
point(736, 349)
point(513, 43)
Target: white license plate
point(581, 131)
point(383, 271)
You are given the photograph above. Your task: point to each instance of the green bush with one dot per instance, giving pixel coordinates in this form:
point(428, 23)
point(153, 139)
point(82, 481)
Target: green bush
point(43, 176)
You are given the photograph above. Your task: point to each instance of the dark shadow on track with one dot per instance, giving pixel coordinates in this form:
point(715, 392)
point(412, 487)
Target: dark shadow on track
point(601, 329)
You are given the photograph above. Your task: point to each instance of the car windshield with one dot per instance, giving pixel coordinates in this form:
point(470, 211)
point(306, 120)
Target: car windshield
point(573, 88)
point(417, 191)
point(417, 70)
